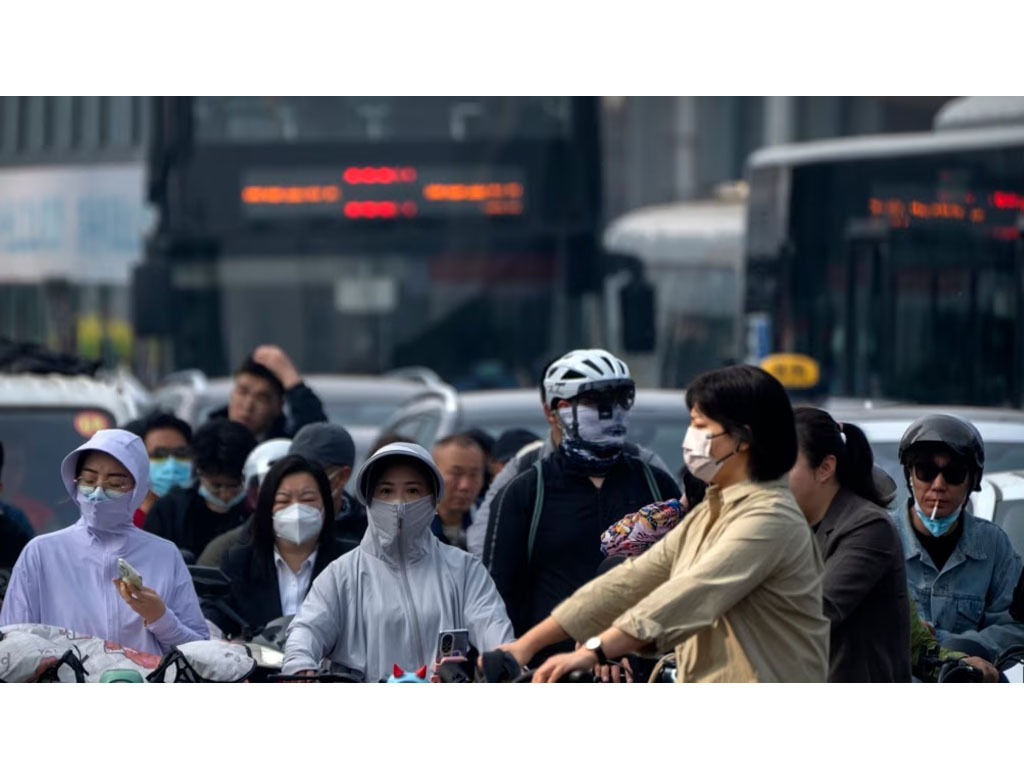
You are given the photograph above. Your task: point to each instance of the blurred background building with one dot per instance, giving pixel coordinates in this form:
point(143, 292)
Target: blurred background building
point(90, 187)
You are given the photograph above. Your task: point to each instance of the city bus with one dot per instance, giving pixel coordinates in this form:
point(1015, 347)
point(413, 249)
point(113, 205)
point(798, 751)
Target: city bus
point(691, 253)
point(895, 262)
point(367, 233)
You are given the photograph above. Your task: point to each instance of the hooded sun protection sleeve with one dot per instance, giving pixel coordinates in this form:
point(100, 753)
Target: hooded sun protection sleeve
point(314, 631)
point(183, 620)
point(486, 618)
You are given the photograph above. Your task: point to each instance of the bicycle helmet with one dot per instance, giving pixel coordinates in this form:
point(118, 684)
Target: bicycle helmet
point(584, 370)
point(954, 434)
point(260, 458)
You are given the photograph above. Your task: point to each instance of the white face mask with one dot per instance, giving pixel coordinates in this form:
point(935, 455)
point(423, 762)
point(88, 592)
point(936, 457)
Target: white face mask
point(298, 523)
point(697, 454)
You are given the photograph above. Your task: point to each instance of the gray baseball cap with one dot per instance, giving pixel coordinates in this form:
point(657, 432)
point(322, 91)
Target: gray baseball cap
point(330, 445)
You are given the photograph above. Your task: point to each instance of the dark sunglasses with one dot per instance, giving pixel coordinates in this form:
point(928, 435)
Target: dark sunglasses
point(954, 472)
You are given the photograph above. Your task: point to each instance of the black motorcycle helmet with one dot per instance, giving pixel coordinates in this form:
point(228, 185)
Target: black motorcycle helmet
point(944, 431)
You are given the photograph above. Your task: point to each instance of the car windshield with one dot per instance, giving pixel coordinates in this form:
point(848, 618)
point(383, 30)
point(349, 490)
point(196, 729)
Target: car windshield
point(999, 457)
point(36, 440)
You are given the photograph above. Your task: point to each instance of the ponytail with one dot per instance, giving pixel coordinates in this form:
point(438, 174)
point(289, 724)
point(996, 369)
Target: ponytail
point(819, 436)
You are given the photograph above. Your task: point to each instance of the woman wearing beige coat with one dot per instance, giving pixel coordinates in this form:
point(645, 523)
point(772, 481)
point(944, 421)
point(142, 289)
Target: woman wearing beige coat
point(736, 588)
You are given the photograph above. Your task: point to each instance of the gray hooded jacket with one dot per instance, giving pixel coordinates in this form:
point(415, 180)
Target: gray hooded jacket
point(385, 602)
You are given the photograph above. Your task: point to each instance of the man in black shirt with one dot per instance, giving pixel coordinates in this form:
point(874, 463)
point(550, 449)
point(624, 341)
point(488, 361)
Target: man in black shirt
point(544, 533)
point(192, 517)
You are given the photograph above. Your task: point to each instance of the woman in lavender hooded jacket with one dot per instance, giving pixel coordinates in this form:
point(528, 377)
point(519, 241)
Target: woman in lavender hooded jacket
point(69, 578)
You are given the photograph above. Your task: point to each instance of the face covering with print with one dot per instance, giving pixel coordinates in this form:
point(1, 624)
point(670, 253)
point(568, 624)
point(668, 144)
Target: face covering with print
point(298, 523)
point(697, 454)
point(165, 474)
point(102, 510)
point(215, 500)
point(591, 443)
point(415, 517)
point(937, 526)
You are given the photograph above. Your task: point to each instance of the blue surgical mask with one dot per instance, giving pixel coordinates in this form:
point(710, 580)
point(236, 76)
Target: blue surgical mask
point(98, 493)
point(939, 525)
point(165, 474)
point(216, 500)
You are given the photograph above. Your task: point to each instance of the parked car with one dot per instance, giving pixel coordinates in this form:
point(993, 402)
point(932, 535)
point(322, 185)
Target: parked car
point(43, 417)
point(1002, 429)
point(658, 419)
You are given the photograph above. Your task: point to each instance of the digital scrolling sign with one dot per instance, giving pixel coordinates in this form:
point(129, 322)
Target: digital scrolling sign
point(383, 192)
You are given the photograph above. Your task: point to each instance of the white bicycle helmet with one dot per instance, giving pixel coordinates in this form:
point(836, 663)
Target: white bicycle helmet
point(258, 462)
point(584, 370)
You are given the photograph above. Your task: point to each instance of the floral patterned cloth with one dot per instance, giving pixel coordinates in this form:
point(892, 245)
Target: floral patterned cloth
point(637, 531)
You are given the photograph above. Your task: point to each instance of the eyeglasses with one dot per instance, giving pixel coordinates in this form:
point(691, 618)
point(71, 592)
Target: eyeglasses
point(110, 484)
point(954, 472)
point(183, 452)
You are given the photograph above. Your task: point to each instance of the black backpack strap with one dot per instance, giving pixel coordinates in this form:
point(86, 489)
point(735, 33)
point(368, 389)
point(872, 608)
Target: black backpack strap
point(538, 507)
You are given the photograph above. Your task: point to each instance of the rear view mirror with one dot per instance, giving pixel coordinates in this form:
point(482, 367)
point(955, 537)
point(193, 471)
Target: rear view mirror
point(209, 583)
point(638, 310)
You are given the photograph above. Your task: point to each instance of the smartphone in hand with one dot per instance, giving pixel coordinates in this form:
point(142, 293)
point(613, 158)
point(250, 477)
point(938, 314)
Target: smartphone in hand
point(452, 643)
point(128, 574)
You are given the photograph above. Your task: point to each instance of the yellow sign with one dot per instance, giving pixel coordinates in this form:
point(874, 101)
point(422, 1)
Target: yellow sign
point(793, 370)
point(88, 423)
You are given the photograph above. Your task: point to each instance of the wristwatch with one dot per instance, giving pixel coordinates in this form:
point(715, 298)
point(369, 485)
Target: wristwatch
point(594, 646)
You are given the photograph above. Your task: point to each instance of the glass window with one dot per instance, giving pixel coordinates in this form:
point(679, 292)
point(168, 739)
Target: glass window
point(1009, 516)
point(36, 440)
point(298, 119)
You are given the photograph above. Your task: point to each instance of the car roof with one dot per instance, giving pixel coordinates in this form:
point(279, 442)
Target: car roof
point(1010, 485)
point(51, 390)
point(888, 423)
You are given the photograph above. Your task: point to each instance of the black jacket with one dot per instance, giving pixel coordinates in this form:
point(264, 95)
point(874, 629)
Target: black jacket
point(567, 547)
point(303, 404)
point(865, 593)
point(349, 524)
point(255, 595)
point(183, 517)
point(13, 537)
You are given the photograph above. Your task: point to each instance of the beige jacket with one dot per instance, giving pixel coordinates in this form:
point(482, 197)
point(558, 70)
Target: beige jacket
point(735, 588)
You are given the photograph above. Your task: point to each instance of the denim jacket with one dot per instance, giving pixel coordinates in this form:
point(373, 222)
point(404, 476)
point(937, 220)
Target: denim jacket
point(970, 597)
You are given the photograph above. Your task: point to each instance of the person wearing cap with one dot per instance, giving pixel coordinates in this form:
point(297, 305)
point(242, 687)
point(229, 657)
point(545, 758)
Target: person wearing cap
point(508, 444)
point(385, 602)
point(264, 383)
point(70, 578)
point(331, 446)
point(961, 569)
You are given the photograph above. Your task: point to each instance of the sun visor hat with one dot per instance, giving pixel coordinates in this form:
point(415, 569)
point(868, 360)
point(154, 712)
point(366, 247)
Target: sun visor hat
point(364, 492)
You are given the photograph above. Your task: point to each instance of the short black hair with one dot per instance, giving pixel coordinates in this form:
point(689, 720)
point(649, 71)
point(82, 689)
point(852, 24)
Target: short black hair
point(250, 366)
point(263, 517)
point(164, 420)
point(387, 439)
point(752, 405)
point(221, 447)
